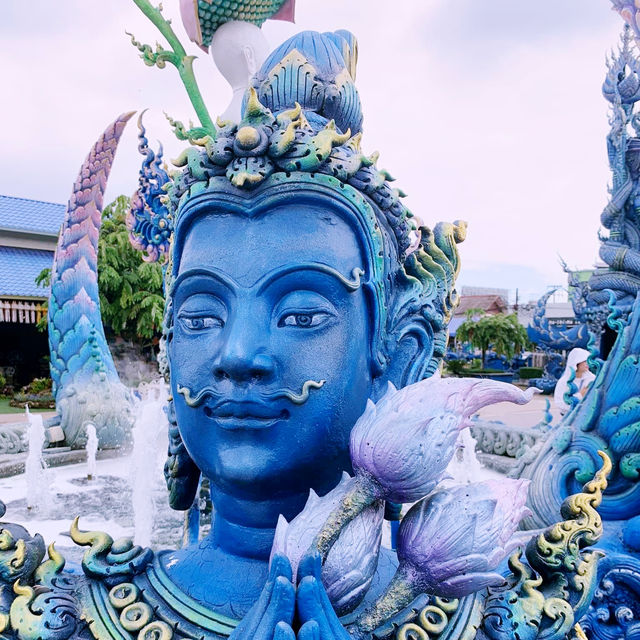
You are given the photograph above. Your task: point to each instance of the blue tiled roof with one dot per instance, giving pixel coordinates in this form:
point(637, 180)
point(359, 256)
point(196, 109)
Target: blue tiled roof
point(18, 271)
point(30, 215)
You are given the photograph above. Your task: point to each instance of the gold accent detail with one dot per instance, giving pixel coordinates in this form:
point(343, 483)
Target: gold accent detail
point(123, 595)
point(136, 616)
point(290, 115)
point(580, 634)
point(248, 138)
point(4, 622)
point(20, 554)
point(156, 630)
point(254, 108)
point(55, 564)
point(23, 589)
point(411, 631)
point(431, 621)
point(6, 540)
point(223, 123)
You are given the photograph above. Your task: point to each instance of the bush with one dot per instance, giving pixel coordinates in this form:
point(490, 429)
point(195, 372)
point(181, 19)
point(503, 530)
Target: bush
point(526, 373)
point(38, 386)
point(37, 394)
point(455, 367)
point(35, 401)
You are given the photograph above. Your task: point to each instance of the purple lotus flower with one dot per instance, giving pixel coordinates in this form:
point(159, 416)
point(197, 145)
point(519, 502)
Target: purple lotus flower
point(405, 441)
point(451, 543)
point(352, 560)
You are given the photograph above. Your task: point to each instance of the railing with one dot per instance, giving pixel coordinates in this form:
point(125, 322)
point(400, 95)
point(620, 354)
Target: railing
point(21, 311)
point(502, 440)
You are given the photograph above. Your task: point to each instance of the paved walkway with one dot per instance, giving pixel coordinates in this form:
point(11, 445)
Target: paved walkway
point(11, 418)
point(520, 415)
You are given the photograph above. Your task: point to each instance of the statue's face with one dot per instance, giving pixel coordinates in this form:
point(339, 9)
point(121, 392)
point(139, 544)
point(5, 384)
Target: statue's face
point(263, 305)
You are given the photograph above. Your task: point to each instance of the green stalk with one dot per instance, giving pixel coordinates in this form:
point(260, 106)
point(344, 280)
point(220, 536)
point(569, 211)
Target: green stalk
point(361, 494)
point(399, 594)
point(182, 62)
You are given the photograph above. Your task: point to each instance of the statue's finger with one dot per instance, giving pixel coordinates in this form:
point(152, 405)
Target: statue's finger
point(280, 609)
point(284, 632)
point(310, 565)
point(280, 566)
point(249, 623)
point(313, 604)
point(309, 631)
point(308, 601)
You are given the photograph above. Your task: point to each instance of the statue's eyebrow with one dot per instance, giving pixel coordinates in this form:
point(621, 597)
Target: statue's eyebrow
point(279, 272)
point(266, 280)
point(221, 277)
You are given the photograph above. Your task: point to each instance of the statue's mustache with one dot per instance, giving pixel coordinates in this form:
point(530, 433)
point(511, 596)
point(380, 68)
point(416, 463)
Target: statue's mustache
point(292, 396)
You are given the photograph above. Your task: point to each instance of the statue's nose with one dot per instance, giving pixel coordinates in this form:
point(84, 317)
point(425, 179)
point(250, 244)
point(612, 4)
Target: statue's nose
point(241, 359)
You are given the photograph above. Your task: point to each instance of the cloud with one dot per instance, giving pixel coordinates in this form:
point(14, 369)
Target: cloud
point(483, 32)
point(484, 110)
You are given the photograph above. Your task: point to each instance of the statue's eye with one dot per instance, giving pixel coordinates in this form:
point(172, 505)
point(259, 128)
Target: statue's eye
point(200, 323)
point(303, 320)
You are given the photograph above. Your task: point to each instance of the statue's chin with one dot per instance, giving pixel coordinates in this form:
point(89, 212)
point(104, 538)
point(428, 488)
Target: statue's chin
point(250, 473)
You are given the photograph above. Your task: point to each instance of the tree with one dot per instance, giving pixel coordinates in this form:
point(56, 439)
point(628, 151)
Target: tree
point(130, 289)
point(501, 332)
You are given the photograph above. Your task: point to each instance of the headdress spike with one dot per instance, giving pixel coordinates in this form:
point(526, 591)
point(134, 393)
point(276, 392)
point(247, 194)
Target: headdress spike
point(255, 111)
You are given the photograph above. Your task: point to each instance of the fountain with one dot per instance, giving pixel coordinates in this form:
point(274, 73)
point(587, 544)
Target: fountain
point(92, 449)
point(38, 498)
point(465, 467)
point(149, 450)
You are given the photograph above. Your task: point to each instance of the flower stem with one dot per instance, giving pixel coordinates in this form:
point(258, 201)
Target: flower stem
point(399, 594)
point(361, 494)
point(182, 62)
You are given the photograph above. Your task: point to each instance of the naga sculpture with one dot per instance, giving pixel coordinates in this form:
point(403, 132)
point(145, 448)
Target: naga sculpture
point(86, 385)
point(306, 317)
point(550, 337)
point(608, 417)
point(621, 249)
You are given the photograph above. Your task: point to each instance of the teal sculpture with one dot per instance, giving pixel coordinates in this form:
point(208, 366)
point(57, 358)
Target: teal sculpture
point(86, 385)
point(607, 418)
point(306, 316)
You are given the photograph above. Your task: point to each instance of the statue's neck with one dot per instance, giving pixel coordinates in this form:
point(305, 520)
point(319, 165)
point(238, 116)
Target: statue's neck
point(246, 528)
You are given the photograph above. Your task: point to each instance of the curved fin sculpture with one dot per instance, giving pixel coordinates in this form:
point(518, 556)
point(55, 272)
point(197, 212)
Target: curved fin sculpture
point(608, 419)
point(85, 382)
point(549, 337)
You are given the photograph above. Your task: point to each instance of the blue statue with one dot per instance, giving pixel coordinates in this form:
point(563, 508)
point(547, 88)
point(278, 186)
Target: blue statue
point(306, 317)
point(621, 249)
point(549, 337)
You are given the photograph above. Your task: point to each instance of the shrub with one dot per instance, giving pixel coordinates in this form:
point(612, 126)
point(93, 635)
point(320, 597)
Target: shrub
point(39, 386)
point(455, 367)
point(526, 373)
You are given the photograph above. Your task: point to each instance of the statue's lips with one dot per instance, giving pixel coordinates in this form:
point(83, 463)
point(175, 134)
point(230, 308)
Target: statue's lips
point(245, 415)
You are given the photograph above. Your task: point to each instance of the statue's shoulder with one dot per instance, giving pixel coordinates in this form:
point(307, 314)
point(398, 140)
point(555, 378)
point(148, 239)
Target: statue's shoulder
point(121, 591)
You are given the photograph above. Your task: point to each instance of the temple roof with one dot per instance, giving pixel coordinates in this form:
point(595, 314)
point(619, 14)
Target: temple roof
point(33, 216)
point(18, 270)
point(491, 304)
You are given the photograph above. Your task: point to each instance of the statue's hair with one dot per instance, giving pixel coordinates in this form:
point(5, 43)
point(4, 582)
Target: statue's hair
point(412, 269)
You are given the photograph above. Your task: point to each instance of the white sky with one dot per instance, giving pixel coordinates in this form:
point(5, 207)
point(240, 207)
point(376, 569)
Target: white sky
point(484, 110)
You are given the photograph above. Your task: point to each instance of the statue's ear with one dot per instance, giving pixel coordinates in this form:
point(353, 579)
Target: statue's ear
point(410, 358)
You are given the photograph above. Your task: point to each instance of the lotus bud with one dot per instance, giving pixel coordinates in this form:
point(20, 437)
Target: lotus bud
point(451, 544)
point(406, 440)
point(401, 446)
point(352, 561)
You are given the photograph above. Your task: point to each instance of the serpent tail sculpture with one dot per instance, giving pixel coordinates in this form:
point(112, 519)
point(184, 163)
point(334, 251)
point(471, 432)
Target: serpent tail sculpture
point(85, 382)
